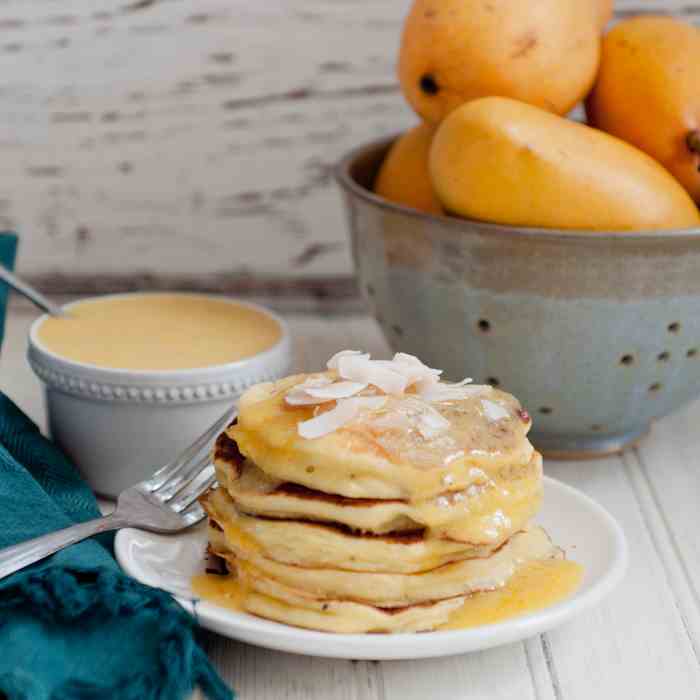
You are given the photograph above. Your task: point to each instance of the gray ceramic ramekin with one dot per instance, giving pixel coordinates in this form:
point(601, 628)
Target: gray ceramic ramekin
point(598, 333)
point(119, 426)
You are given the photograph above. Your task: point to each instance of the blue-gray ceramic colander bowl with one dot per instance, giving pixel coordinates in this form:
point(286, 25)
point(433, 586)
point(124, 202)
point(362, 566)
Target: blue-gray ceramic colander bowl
point(597, 333)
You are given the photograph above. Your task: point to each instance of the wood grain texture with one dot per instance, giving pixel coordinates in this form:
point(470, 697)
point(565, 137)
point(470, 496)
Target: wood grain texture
point(178, 143)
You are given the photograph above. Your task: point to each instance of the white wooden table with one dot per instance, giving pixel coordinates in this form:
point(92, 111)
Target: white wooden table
point(642, 643)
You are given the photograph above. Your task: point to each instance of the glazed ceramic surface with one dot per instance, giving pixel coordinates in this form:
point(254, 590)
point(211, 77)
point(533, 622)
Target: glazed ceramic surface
point(119, 426)
point(597, 333)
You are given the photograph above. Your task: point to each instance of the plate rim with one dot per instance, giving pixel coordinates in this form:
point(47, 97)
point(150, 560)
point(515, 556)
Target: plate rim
point(409, 645)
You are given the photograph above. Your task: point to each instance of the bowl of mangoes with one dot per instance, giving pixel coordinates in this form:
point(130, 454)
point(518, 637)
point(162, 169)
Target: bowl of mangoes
point(555, 256)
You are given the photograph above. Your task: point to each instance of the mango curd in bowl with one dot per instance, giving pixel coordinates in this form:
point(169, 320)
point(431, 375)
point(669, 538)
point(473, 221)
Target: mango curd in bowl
point(159, 332)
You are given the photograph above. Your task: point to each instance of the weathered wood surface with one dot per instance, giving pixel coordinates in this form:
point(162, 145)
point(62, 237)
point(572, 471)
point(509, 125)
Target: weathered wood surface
point(190, 144)
point(642, 643)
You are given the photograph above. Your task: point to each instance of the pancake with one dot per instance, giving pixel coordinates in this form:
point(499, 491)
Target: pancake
point(267, 599)
point(352, 618)
point(391, 590)
point(374, 497)
point(326, 546)
point(485, 513)
point(381, 454)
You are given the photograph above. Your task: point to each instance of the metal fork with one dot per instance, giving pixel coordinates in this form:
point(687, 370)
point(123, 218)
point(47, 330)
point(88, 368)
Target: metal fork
point(165, 503)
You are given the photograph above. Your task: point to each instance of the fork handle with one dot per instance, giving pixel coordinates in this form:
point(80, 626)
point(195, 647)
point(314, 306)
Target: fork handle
point(23, 554)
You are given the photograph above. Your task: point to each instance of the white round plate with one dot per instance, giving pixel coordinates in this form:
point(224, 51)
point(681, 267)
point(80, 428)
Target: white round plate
point(586, 531)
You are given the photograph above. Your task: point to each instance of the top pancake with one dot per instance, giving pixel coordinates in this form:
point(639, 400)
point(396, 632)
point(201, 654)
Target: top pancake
point(380, 453)
point(485, 514)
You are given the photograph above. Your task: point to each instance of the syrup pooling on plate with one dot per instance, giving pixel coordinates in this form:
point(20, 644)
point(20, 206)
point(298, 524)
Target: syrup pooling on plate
point(376, 497)
point(534, 587)
point(159, 332)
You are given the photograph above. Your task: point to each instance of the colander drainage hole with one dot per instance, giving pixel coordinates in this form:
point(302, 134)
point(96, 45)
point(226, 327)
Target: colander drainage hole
point(484, 325)
point(693, 352)
point(664, 356)
point(655, 387)
point(627, 360)
point(674, 327)
point(545, 410)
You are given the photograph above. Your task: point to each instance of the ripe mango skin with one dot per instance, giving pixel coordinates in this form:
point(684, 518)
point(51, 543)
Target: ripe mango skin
point(403, 177)
point(605, 9)
point(544, 52)
point(507, 162)
point(648, 92)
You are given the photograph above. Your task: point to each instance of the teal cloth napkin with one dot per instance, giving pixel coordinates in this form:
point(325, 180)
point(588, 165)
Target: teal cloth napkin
point(74, 626)
point(8, 251)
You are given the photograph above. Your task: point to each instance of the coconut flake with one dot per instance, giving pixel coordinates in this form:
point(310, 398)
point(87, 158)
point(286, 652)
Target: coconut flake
point(359, 368)
point(299, 394)
point(301, 398)
point(357, 371)
point(333, 362)
point(318, 390)
point(344, 412)
point(443, 391)
point(414, 369)
point(329, 421)
point(431, 423)
point(337, 390)
point(403, 358)
point(494, 411)
point(313, 382)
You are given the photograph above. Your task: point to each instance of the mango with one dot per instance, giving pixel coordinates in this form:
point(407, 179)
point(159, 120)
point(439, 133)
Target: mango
point(503, 161)
point(648, 92)
point(605, 11)
point(403, 177)
point(544, 52)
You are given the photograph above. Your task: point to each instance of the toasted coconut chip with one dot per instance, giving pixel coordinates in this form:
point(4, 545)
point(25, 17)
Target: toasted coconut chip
point(431, 423)
point(414, 414)
point(344, 412)
point(453, 392)
point(300, 396)
point(359, 369)
point(333, 362)
point(337, 390)
point(493, 411)
point(313, 382)
point(414, 370)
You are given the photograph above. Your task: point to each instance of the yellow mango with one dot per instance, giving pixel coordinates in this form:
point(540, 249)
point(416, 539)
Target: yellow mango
point(605, 11)
point(544, 52)
point(403, 177)
point(507, 162)
point(648, 92)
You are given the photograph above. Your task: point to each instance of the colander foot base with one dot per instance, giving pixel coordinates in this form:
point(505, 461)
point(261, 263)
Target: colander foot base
point(581, 447)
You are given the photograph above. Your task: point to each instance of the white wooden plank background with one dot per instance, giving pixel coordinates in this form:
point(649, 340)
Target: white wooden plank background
point(182, 142)
point(641, 644)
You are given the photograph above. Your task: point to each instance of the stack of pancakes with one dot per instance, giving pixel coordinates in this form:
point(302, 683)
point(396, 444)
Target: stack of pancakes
point(382, 519)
